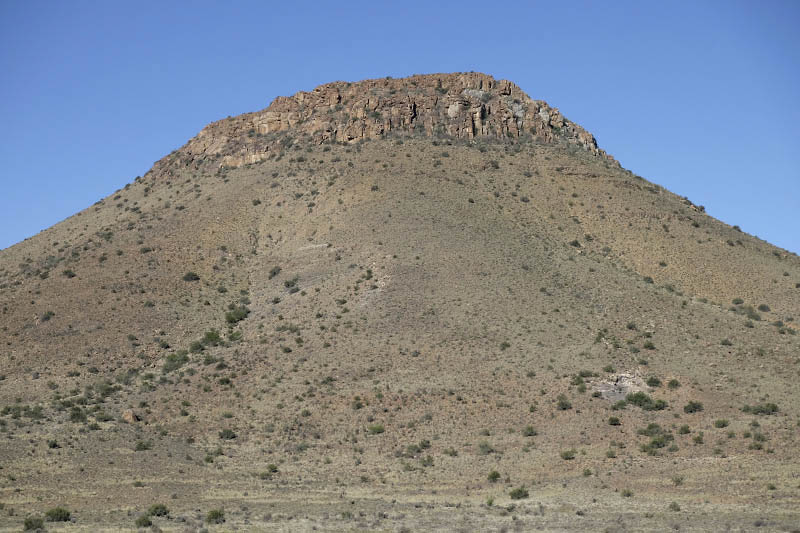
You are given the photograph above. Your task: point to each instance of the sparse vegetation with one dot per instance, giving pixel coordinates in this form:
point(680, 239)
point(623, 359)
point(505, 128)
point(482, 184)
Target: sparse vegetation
point(519, 493)
point(58, 514)
point(335, 323)
point(215, 516)
point(761, 409)
point(237, 314)
point(33, 523)
point(644, 401)
point(158, 509)
point(143, 521)
point(563, 403)
point(143, 445)
point(693, 407)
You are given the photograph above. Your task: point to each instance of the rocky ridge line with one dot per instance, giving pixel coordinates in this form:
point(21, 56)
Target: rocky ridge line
point(461, 105)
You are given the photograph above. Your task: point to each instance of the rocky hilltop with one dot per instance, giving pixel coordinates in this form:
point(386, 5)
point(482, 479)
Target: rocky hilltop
point(460, 105)
point(475, 321)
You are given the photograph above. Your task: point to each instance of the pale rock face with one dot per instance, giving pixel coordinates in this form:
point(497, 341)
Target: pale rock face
point(462, 105)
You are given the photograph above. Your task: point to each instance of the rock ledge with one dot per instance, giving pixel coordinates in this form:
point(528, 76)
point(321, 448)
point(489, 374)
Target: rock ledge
point(461, 105)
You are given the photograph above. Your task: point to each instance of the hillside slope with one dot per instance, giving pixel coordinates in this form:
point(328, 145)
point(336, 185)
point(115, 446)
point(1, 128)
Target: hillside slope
point(348, 310)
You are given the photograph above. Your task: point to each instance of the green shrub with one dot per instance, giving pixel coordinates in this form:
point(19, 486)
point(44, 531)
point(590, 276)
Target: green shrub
point(237, 314)
point(227, 434)
point(764, 308)
point(484, 448)
point(519, 493)
point(619, 405)
point(651, 430)
point(215, 516)
point(563, 403)
point(76, 414)
point(33, 523)
point(751, 313)
point(58, 514)
point(493, 476)
point(659, 438)
point(529, 431)
point(376, 429)
point(613, 421)
point(191, 276)
point(673, 384)
point(143, 521)
point(174, 361)
point(211, 338)
point(721, 423)
point(693, 407)
point(568, 455)
point(158, 509)
point(653, 381)
point(645, 402)
point(761, 409)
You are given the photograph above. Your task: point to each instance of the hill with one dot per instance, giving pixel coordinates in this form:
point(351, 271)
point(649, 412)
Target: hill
point(415, 304)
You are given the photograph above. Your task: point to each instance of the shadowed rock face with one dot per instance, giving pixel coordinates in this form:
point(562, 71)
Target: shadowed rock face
point(461, 105)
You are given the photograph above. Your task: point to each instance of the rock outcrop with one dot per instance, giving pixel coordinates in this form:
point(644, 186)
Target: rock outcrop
point(130, 416)
point(461, 105)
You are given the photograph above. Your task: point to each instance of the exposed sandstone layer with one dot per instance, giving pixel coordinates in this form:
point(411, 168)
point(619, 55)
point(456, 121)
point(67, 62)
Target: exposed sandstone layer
point(461, 105)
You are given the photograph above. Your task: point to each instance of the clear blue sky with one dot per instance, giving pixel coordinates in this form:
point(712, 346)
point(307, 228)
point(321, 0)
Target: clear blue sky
point(700, 97)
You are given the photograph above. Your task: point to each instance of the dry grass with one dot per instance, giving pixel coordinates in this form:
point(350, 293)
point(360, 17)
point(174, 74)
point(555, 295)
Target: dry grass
point(426, 299)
